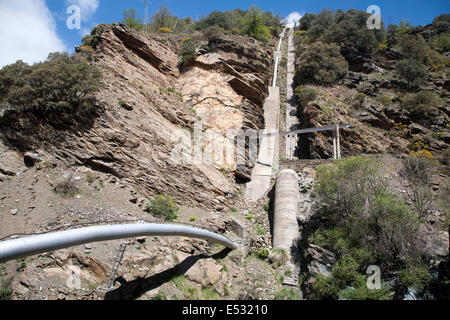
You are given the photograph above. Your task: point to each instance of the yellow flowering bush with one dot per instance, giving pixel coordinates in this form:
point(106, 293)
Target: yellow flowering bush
point(165, 30)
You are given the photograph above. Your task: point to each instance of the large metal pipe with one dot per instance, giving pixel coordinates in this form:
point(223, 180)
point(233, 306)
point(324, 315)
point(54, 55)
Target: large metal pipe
point(28, 246)
point(277, 59)
point(285, 226)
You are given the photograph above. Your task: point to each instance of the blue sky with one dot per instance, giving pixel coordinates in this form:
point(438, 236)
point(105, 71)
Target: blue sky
point(43, 22)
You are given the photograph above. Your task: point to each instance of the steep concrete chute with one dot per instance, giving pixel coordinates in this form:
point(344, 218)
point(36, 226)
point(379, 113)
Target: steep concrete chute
point(33, 245)
point(285, 226)
point(291, 105)
point(268, 155)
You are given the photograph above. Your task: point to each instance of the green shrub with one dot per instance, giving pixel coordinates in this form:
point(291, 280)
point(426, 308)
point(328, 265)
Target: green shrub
point(414, 275)
point(192, 218)
point(160, 296)
point(422, 106)
point(441, 43)
point(321, 63)
point(364, 293)
point(61, 83)
point(414, 47)
point(262, 254)
point(213, 32)
point(384, 99)
point(188, 51)
point(278, 257)
point(164, 207)
point(66, 187)
point(347, 282)
point(305, 95)
point(365, 221)
point(94, 38)
point(351, 34)
point(412, 71)
point(358, 100)
point(286, 294)
point(402, 29)
point(260, 230)
point(417, 172)
point(131, 19)
point(5, 289)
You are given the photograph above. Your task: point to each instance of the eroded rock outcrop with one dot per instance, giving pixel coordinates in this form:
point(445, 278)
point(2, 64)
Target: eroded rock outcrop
point(140, 116)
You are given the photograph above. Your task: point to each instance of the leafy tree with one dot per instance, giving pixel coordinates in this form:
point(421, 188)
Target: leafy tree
point(321, 63)
point(215, 18)
point(163, 18)
point(414, 47)
point(185, 25)
point(235, 18)
point(367, 224)
point(13, 77)
point(252, 25)
point(131, 19)
point(352, 35)
point(421, 106)
point(273, 22)
point(325, 20)
point(61, 83)
point(402, 29)
point(412, 71)
point(306, 21)
point(417, 173)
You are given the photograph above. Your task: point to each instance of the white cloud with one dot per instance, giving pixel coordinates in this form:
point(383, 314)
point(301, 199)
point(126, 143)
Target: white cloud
point(88, 7)
point(27, 32)
point(292, 19)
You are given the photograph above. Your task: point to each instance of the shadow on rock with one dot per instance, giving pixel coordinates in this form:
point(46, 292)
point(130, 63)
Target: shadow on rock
point(134, 289)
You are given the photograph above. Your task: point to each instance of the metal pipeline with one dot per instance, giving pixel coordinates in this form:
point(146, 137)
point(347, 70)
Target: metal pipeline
point(277, 58)
point(33, 245)
point(285, 229)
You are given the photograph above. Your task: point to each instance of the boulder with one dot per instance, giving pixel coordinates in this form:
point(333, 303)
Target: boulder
point(416, 128)
point(32, 158)
point(316, 268)
point(321, 254)
point(11, 163)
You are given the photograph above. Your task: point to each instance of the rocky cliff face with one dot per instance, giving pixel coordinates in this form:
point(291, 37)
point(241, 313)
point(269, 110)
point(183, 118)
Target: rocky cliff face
point(121, 153)
point(146, 107)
